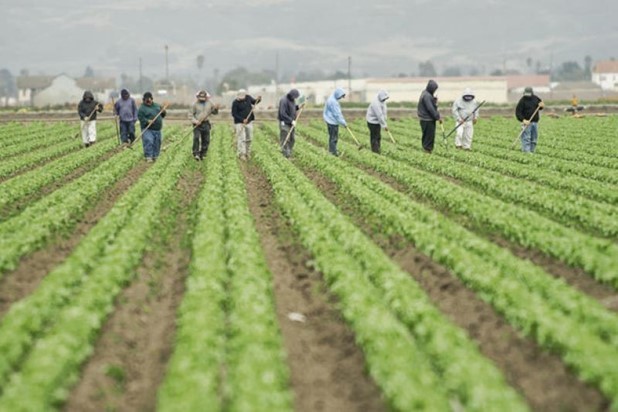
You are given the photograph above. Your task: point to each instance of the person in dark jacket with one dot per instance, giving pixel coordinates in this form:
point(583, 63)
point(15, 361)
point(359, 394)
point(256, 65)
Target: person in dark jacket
point(287, 121)
point(242, 112)
point(150, 116)
point(199, 114)
point(428, 114)
point(527, 112)
point(126, 110)
point(87, 110)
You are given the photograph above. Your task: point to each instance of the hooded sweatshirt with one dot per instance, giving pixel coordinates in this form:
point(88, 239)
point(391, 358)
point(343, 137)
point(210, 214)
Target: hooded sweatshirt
point(126, 109)
point(376, 112)
point(427, 105)
point(332, 109)
point(526, 106)
point(88, 107)
point(463, 108)
point(287, 107)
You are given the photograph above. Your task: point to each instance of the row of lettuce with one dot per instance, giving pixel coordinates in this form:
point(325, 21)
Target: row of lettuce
point(45, 337)
point(558, 316)
point(228, 353)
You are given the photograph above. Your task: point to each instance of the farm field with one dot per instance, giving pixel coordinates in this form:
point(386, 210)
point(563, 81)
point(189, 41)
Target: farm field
point(457, 281)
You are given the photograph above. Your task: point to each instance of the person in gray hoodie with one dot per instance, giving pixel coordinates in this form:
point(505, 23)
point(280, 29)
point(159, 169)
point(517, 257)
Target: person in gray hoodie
point(376, 120)
point(465, 116)
point(428, 114)
point(126, 110)
point(287, 121)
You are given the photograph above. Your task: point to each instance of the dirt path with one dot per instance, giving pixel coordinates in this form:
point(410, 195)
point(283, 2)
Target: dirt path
point(541, 377)
point(131, 354)
point(327, 368)
point(22, 281)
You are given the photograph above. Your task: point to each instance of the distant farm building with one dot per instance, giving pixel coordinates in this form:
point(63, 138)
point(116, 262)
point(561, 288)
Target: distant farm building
point(43, 91)
point(605, 74)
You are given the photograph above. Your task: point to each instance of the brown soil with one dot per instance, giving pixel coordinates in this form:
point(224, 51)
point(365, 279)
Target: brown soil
point(131, 354)
point(22, 281)
point(541, 377)
point(327, 368)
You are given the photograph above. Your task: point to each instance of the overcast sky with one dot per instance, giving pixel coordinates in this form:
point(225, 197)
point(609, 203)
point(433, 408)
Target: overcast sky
point(382, 37)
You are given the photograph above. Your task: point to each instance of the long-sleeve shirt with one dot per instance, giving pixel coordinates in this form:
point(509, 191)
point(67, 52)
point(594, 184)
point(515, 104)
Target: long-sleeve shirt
point(126, 109)
point(376, 112)
point(332, 109)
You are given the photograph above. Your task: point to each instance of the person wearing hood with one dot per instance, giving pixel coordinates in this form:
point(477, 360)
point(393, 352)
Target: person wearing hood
point(126, 110)
point(376, 120)
point(199, 114)
point(428, 114)
point(526, 108)
point(334, 117)
point(466, 117)
point(287, 121)
point(242, 112)
point(150, 116)
point(87, 110)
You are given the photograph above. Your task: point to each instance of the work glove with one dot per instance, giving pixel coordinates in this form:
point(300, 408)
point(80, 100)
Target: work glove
point(474, 121)
point(293, 123)
point(541, 105)
point(526, 122)
point(163, 113)
point(386, 129)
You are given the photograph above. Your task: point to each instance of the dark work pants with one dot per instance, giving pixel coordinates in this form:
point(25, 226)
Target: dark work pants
point(201, 140)
point(333, 138)
point(375, 136)
point(428, 128)
point(127, 131)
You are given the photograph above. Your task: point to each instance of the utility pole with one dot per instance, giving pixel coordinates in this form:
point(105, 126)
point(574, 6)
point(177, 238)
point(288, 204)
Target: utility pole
point(350, 78)
point(167, 67)
point(141, 85)
point(276, 75)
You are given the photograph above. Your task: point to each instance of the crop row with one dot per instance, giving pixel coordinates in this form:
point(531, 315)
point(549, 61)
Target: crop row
point(51, 135)
point(557, 316)
point(15, 133)
point(34, 158)
point(599, 257)
point(59, 210)
point(28, 183)
point(227, 318)
point(563, 207)
point(409, 346)
point(52, 364)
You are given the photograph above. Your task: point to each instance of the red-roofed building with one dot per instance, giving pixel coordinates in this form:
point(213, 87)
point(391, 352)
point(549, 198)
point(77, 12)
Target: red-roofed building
point(605, 74)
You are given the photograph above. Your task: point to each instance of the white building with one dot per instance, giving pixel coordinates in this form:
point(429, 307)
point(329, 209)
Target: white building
point(605, 74)
point(62, 89)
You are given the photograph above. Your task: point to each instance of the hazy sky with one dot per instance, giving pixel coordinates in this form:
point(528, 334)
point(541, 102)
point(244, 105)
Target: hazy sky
point(382, 37)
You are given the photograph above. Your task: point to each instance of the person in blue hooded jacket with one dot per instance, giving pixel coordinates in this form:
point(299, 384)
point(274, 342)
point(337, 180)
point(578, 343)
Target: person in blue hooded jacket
point(334, 117)
point(428, 114)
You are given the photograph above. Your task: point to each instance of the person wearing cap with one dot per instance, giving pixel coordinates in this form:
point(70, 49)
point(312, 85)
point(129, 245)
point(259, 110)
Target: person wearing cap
point(242, 112)
point(199, 114)
point(527, 112)
point(428, 114)
point(150, 116)
point(376, 120)
point(466, 116)
point(333, 117)
point(87, 110)
point(287, 121)
point(126, 110)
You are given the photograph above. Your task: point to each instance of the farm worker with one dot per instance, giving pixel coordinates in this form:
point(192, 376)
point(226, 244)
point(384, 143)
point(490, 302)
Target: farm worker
point(333, 117)
point(126, 110)
point(287, 121)
point(150, 116)
point(575, 107)
point(87, 110)
point(428, 114)
point(242, 112)
point(463, 108)
point(526, 108)
point(199, 114)
point(376, 119)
